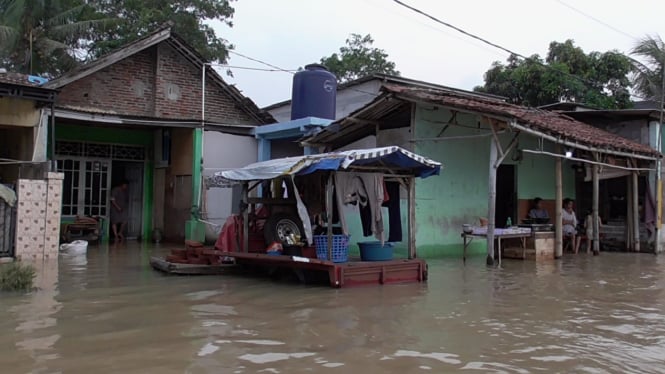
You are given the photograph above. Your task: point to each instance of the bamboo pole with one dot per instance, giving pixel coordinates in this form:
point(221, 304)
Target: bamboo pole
point(558, 227)
point(636, 214)
point(245, 218)
point(596, 227)
point(491, 224)
point(329, 214)
point(629, 214)
point(412, 217)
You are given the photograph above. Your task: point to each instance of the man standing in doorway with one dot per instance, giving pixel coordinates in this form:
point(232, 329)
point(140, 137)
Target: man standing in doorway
point(119, 210)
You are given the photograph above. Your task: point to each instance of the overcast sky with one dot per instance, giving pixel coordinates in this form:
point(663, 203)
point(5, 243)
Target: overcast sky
point(293, 33)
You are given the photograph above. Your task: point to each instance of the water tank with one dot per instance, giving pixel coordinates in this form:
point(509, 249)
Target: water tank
point(314, 93)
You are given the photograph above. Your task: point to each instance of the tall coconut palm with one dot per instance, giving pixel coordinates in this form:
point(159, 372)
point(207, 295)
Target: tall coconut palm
point(42, 36)
point(649, 75)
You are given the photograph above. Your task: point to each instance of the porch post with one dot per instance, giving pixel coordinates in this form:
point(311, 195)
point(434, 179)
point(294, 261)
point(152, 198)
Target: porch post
point(636, 214)
point(412, 217)
point(558, 209)
point(491, 202)
point(629, 214)
point(329, 213)
point(195, 230)
point(245, 217)
point(596, 227)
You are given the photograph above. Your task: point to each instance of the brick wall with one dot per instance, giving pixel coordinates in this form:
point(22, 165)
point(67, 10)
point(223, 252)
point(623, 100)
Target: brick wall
point(158, 83)
point(38, 217)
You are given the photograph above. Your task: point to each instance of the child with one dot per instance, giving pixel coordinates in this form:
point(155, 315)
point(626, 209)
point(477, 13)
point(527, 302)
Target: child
point(588, 227)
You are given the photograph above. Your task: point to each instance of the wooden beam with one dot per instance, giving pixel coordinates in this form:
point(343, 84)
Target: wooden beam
point(629, 214)
point(496, 138)
point(329, 213)
point(595, 199)
point(245, 218)
point(558, 226)
point(491, 199)
point(412, 217)
point(636, 214)
point(510, 147)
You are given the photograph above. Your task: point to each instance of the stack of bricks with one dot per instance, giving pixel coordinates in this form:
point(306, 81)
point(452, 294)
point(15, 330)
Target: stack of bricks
point(38, 217)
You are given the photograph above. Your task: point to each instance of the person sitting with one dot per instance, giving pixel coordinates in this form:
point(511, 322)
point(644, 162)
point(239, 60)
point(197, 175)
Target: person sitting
point(538, 213)
point(569, 221)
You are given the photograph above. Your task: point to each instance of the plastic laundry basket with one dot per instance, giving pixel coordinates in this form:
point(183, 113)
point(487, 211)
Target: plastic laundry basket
point(340, 247)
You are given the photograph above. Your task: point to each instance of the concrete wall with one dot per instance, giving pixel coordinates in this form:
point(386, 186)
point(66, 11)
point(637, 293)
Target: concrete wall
point(459, 195)
point(348, 100)
point(237, 151)
point(18, 112)
point(280, 148)
point(38, 217)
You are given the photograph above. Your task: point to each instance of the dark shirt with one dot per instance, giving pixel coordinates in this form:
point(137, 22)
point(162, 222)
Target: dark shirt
point(538, 213)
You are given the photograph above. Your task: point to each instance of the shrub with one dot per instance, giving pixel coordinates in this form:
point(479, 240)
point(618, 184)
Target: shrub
point(16, 277)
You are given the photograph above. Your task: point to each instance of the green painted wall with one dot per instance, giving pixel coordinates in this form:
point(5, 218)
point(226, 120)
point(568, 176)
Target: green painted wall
point(459, 195)
point(66, 131)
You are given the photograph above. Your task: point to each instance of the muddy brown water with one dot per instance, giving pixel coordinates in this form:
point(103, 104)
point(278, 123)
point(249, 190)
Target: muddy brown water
point(109, 312)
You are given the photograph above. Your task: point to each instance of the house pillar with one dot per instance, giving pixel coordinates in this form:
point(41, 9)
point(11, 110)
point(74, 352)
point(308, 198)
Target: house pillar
point(264, 149)
point(491, 201)
point(195, 229)
point(636, 213)
point(595, 219)
point(558, 227)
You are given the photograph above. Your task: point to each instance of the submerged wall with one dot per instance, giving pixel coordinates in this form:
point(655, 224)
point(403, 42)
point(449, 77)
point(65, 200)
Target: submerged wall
point(460, 194)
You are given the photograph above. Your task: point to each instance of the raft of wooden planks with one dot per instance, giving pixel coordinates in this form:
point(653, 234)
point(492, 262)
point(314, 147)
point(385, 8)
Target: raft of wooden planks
point(189, 269)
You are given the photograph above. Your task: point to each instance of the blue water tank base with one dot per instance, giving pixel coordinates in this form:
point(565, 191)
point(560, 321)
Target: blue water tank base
point(314, 93)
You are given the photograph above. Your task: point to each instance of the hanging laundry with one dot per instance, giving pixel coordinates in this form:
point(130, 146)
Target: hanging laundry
point(365, 190)
point(394, 212)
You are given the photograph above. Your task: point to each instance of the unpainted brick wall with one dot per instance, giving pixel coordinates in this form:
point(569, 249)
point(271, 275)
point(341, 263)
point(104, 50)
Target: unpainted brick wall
point(158, 82)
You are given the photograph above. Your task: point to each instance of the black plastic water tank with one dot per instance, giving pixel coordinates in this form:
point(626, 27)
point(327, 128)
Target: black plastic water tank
point(314, 93)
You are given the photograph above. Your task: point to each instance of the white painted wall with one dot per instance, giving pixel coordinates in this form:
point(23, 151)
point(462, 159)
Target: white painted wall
point(220, 152)
point(348, 100)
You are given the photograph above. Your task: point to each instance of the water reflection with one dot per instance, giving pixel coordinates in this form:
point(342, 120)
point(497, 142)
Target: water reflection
point(108, 309)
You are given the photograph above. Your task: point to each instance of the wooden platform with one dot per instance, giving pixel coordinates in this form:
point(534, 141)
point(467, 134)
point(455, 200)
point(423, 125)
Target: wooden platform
point(352, 273)
point(161, 264)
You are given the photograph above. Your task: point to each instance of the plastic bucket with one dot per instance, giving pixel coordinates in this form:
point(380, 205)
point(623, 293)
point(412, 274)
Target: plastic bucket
point(374, 251)
point(77, 246)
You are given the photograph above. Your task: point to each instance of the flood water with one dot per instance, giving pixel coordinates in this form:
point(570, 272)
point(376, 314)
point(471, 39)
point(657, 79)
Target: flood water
point(109, 312)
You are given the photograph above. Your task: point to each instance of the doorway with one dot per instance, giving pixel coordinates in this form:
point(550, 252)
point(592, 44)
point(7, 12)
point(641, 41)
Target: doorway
point(132, 171)
point(506, 195)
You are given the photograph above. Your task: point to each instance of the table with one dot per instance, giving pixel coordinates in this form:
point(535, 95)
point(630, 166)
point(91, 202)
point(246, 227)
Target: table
point(498, 236)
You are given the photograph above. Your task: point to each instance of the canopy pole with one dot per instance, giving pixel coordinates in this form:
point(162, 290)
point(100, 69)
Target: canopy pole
point(595, 218)
point(629, 216)
point(636, 214)
point(329, 213)
point(245, 217)
point(558, 227)
point(491, 201)
point(412, 217)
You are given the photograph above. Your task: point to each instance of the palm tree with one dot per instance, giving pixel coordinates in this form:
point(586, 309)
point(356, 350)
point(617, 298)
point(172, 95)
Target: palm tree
point(649, 76)
point(43, 36)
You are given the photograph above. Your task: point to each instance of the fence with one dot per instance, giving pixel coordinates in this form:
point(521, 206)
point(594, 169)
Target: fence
point(7, 229)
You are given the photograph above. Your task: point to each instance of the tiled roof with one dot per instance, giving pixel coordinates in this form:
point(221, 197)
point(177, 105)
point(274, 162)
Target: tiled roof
point(549, 123)
point(18, 79)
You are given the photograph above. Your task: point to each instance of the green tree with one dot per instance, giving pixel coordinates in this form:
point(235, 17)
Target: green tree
point(566, 74)
point(648, 75)
point(140, 17)
point(358, 59)
point(43, 36)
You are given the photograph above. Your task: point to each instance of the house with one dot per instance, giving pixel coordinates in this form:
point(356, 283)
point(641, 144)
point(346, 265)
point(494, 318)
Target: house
point(355, 94)
point(641, 124)
point(498, 157)
point(156, 113)
point(30, 192)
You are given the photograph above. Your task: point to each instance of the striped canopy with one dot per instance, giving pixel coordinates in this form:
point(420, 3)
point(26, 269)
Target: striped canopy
point(383, 159)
